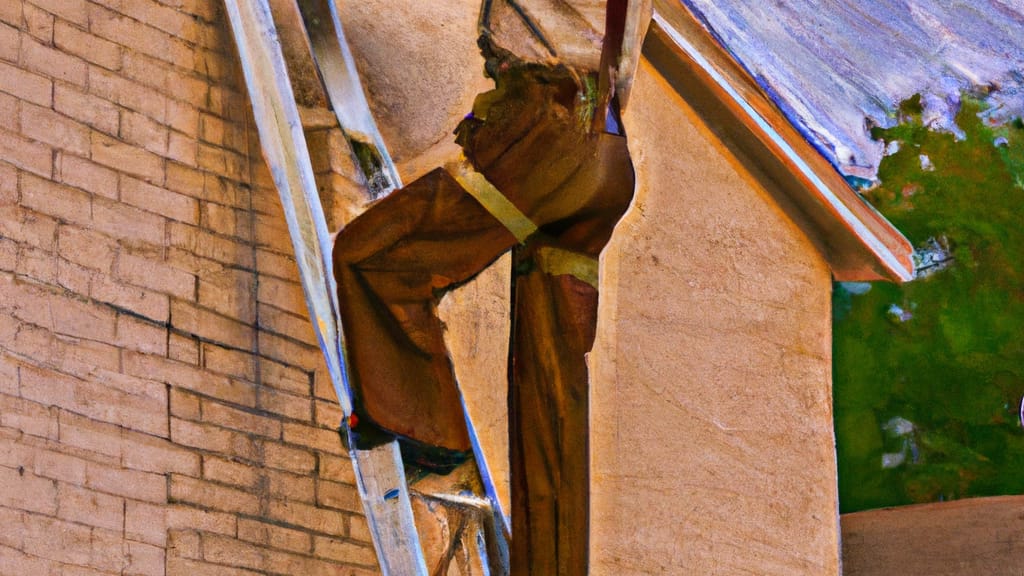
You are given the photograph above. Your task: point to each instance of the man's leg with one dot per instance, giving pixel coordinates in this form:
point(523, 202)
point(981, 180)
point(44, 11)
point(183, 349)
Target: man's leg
point(392, 264)
point(555, 316)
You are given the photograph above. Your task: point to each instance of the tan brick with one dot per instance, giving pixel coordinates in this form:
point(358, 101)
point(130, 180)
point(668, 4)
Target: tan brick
point(183, 117)
point(272, 232)
point(327, 413)
point(141, 131)
point(165, 18)
point(115, 88)
point(37, 264)
point(8, 374)
point(32, 418)
point(347, 552)
point(229, 192)
point(235, 419)
point(274, 536)
point(181, 517)
point(209, 325)
point(34, 229)
point(149, 454)
point(59, 131)
point(206, 245)
point(10, 12)
point(101, 558)
point(25, 154)
point(145, 558)
point(58, 466)
point(127, 158)
point(59, 201)
point(284, 377)
point(213, 496)
point(211, 129)
point(68, 355)
point(16, 451)
point(124, 222)
point(86, 46)
point(38, 23)
point(57, 540)
point(140, 335)
point(233, 363)
point(276, 264)
point(297, 354)
point(202, 9)
point(184, 404)
point(222, 161)
point(186, 567)
point(306, 516)
point(229, 292)
point(53, 63)
point(94, 400)
point(242, 475)
point(211, 438)
point(8, 254)
point(286, 324)
point(12, 521)
point(10, 43)
point(340, 496)
point(183, 349)
point(282, 294)
point(287, 458)
point(159, 200)
point(181, 148)
point(145, 523)
point(336, 468)
point(89, 435)
point(133, 484)
point(86, 248)
point(185, 542)
point(280, 562)
point(288, 405)
point(185, 180)
point(358, 529)
point(71, 10)
point(59, 313)
point(224, 220)
point(21, 489)
point(231, 551)
point(89, 508)
point(287, 486)
point(26, 85)
point(87, 175)
point(144, 302)
point(190, 377)
point(320, 439)
point(128, 32)
point(74, 278)
point(155, 275)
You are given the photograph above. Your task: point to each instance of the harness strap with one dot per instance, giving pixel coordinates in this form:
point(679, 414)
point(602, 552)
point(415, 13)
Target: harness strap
point(491, 199)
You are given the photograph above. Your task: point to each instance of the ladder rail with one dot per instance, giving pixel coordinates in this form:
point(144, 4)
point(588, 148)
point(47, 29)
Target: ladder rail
point(379, 471)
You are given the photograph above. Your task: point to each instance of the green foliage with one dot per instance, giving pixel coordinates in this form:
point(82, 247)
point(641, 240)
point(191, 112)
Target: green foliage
point(955, 368)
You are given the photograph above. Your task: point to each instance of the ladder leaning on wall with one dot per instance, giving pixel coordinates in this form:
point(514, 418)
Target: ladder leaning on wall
point(463, 503)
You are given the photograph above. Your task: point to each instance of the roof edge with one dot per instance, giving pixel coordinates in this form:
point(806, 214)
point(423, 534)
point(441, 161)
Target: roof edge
point(824, 195)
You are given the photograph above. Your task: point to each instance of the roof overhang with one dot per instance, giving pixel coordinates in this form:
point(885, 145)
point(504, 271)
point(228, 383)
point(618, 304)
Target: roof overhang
point(857, 241)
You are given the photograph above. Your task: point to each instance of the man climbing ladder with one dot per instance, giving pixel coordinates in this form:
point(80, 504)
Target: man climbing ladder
point(538, 178)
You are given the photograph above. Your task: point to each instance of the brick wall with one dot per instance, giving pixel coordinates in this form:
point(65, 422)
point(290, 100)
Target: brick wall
point(163, 407)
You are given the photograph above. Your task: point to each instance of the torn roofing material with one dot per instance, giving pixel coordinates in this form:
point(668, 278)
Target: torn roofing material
point(833, 67)
point(858, 243)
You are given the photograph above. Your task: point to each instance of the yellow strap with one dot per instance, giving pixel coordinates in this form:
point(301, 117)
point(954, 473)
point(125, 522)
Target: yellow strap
point(491, 199)
point(556, 261)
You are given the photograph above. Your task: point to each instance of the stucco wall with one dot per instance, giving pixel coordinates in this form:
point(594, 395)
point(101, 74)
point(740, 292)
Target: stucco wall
point(163, 406)
point(712, 443)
